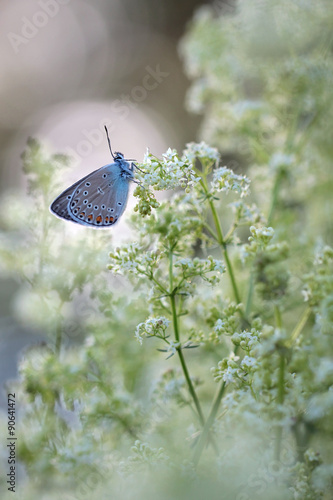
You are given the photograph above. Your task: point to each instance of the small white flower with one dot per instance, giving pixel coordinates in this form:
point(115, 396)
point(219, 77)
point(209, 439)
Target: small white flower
point(226, 180)
point(248, 363)
point(229, 375)
point(200, 151)
point(219, 326)
point(279, 160)
point(173, 346)
point(306, 294)
point(137, 335)
point(90, 341)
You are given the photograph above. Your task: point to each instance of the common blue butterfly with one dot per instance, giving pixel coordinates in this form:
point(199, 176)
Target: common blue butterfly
point(99, 199)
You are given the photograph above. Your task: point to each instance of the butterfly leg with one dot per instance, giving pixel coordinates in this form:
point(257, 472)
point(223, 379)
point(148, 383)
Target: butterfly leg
point(133, 165)
point(139, 183)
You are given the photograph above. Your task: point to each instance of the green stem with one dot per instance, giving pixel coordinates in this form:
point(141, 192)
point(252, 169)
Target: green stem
point(281, 379)
point(232, 278)
point(223, 244)
point(249, 294)
point(288, 146)
point(177, 338)
point(209, 422)
point(281, 389)
point(299, 327)
point(278, 318)
point(154, 280)
point(210, 230)
point(171, 272)
point(174, 317)
point(191, 387)
point(280, 399)
point(58, 340)
point(275, 193)
point(217, 401)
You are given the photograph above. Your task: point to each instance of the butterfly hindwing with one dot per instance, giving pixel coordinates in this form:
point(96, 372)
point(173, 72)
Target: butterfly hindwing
point(60, 205)
point(99, 199)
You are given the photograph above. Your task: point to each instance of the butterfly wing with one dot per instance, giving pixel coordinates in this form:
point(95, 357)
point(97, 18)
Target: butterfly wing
point(59, 206)
point(100, 198)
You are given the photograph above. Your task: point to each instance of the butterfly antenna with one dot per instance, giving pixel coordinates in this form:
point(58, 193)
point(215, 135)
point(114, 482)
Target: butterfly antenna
point(109, 142)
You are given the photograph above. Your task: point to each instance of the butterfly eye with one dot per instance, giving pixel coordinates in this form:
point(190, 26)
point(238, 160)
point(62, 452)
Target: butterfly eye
point(96, 207)
point(104, 176)
point(90, 205)
point(85, 193)
point(103, 207)
point(88, 184)
point(85, 201)
point(119, 203)
point(69, 197)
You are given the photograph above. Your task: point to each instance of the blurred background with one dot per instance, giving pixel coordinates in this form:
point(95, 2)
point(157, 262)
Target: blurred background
point(67, 68)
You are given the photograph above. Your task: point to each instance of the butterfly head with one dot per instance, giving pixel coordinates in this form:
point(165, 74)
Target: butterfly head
point(118, 156)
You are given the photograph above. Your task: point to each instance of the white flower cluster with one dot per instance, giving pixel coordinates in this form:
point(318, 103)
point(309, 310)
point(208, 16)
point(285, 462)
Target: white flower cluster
point(133, 259)
point(259, 240)
point(201, 151)
point(324, 256)
point(227, 369)
point(220, 327)
point(230, 370)
point(318, 290)
point(280, 161)
point(249, 363)
point(246, 214)
point(262, 235)
point(144, 456)
point(247, 340)
point(226, 180)
point(226, 324)
point(201, 267)
point(169, 173)
point(152, 327)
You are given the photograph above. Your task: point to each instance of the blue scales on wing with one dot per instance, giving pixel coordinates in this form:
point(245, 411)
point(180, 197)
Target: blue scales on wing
point(100, 198)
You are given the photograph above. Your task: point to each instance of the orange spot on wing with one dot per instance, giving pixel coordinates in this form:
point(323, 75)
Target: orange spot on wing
point(106, 219)
point(99, 219)
point(89, 218)
point(111, 219)
point(83, 214)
